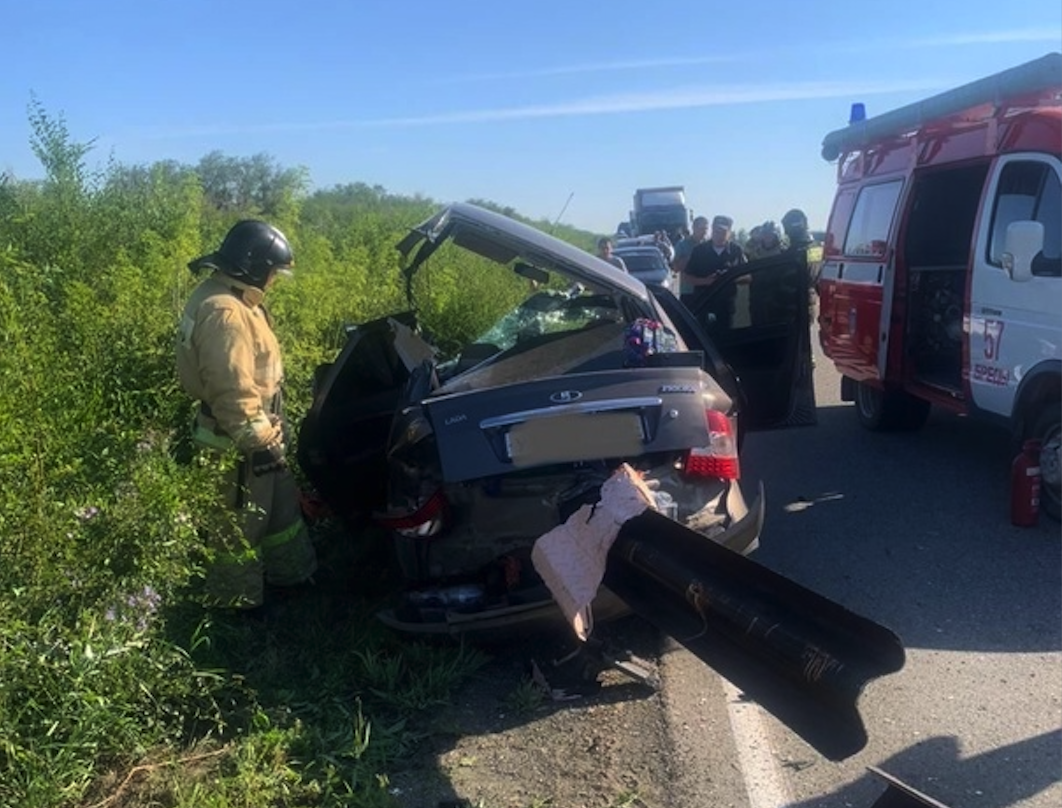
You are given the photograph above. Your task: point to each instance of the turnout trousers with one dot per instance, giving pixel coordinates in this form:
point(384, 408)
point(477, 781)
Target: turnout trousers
point(267, 543)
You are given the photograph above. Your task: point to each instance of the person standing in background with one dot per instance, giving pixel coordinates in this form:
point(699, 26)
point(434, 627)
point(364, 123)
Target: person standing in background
point(714, 256)
point(684, 249)
point(708, 261)
point(604, 252)
point(663, 243)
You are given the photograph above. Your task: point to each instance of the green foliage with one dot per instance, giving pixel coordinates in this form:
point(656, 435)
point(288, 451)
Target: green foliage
point(461, 295)
point(254, 186)
point(74, 696)
point(104, 662)
point(62, 159)
point(527, 697)
point(417, 678)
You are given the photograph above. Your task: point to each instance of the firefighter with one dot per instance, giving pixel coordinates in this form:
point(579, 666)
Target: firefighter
point(228, 359)
point(800, 238)
point(765, 240)
point(795, 224)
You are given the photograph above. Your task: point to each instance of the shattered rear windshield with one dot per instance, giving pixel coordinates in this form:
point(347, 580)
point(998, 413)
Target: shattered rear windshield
point(551, 312)
point(549, 333)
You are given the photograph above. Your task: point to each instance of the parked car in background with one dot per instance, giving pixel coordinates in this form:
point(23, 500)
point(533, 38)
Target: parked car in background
point(647, 263)
point(467, 459)
point(634, 241)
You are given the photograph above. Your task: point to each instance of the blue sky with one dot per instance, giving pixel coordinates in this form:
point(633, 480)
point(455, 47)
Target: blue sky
point(527, 104)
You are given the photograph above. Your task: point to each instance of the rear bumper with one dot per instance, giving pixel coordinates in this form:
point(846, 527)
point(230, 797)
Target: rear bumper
point(742, 536)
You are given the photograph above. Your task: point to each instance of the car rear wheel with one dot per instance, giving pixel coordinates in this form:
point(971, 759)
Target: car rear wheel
point(1047, 428)
point(889, 410)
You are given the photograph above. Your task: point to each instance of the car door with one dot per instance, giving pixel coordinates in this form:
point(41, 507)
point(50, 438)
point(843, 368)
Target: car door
point(754, 323)
point(1014, 324)
point(343, 438)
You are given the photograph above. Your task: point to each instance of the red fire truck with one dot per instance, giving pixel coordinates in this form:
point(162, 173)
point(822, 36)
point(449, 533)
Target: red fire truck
point(941, 281)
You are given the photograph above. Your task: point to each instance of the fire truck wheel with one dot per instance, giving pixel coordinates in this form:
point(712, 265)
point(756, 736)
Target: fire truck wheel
point(1047, 428)
point(889, 410)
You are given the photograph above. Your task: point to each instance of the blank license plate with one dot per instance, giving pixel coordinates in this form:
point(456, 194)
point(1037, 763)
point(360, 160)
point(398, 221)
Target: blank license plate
point(568, 438)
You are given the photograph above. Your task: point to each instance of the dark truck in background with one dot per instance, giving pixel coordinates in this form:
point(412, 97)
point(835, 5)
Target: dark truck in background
point(662, 208)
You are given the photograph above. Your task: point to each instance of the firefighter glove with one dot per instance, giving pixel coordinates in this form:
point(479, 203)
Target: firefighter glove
point(269, 459)
point(281, 424)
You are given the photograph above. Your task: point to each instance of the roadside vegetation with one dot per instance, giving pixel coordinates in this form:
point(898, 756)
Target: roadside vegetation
point(115, 688)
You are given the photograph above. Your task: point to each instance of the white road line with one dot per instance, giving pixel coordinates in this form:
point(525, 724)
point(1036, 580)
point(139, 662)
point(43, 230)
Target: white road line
point(764, 780)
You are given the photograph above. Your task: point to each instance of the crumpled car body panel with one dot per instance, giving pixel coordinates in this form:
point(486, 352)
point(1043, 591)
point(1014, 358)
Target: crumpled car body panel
point(468, 461)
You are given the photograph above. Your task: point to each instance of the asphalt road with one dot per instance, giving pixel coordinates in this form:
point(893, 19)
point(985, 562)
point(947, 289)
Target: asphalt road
point(912, 531)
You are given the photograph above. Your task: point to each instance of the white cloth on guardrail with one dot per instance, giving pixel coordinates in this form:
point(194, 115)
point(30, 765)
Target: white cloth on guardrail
point(571, 557)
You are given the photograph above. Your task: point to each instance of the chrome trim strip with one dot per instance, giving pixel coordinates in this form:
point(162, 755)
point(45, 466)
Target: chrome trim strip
point(605, 405)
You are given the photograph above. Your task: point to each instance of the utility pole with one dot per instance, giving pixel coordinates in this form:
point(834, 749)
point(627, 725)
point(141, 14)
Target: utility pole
point(557, 220)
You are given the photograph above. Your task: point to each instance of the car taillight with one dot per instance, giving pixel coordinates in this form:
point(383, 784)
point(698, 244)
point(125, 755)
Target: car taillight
point(719, 458)
point(428, 520)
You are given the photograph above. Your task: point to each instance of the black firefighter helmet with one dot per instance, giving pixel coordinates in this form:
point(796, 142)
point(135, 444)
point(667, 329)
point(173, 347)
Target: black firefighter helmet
point(251, 251)
point(795, 224)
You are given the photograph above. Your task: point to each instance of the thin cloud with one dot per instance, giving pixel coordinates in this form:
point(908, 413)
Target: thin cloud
point(986, 38)
point(688, 98)
point(598, 67)
point(938, 41)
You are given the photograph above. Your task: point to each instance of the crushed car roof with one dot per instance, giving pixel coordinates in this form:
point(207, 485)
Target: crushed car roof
point(503, 240)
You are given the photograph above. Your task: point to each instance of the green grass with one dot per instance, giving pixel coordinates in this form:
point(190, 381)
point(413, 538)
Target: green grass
point(525, 698)
point(310, 706)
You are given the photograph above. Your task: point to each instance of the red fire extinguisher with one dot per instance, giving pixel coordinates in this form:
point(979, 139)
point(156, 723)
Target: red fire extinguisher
point(1025, 485)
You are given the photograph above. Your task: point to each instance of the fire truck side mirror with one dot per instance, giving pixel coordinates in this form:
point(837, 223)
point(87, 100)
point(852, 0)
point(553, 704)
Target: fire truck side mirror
point(1023, 242)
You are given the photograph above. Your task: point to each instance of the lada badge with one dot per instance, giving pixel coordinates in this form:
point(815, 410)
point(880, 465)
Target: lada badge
point(565, 396)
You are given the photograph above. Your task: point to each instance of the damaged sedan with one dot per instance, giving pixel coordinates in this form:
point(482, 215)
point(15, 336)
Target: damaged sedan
point(580, 460)
point(467, 459)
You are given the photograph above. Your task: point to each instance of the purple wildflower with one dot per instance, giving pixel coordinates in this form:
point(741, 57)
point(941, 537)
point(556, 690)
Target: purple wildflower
point(86, 513)
point(136, 609)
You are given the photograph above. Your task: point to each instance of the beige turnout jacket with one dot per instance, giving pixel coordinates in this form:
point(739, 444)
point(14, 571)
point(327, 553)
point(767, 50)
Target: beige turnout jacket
point(228, 358)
